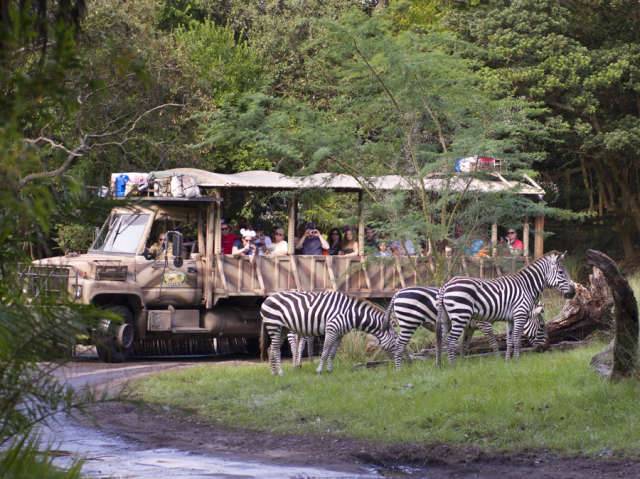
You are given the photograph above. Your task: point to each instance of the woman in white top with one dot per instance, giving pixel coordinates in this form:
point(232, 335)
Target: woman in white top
point(279, 246)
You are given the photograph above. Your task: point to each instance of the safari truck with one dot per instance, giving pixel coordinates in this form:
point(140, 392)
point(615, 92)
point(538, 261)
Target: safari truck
point(157, 262)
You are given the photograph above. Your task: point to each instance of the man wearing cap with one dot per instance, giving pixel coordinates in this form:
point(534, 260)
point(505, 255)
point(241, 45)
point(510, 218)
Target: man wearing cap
point(312, 242)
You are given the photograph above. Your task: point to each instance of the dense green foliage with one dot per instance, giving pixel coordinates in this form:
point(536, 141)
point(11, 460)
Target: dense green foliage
point(403, 87)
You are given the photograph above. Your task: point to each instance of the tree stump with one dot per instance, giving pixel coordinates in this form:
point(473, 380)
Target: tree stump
point(625, 343)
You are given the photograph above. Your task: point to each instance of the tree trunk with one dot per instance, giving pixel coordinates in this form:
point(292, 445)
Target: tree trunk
point(625, 344)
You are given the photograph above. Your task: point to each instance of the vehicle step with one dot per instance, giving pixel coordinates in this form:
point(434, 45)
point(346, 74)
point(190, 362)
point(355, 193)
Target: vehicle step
point(190, 330)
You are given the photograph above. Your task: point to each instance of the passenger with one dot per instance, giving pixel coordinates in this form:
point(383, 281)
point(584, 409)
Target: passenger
point(409, 248)
point(279, 246)
point(370, 240)
point(246, 245)
point(349, 244)
point(383, 250)
point(262, 242)
point(228, 238)
point(335, 241)
point(312, 242)
point(397, 249)
point(515, 246)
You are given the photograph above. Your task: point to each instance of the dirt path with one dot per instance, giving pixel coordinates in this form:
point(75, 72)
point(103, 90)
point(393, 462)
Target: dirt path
point(161, 427)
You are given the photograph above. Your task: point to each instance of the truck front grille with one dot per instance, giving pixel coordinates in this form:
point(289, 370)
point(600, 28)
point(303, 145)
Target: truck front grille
point(41, 280)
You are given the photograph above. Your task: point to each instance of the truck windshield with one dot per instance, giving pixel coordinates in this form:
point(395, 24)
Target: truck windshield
point(121, 233)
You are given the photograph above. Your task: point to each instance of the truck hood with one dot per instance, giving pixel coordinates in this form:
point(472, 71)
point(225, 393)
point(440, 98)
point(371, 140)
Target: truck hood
point(83, 263)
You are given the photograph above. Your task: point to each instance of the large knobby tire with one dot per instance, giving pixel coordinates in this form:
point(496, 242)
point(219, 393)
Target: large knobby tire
point(106, 345)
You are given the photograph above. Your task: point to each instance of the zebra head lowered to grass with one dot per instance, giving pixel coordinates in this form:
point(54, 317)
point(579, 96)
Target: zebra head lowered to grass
point(416, 306)
point(510, 298)
point(362, 316)
point(327, 313)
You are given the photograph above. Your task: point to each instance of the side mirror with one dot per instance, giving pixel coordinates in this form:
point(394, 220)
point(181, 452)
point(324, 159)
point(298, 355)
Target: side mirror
point(176, 243)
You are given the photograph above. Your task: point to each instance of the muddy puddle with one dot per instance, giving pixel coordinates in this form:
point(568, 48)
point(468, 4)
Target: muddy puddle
point(108, 456)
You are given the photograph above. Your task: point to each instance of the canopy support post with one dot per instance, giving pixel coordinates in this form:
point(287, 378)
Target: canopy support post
point(538, 247)
point(361, 223)
point(494, 239)
point(525, 237)
point(291, 231)
point(209, 257)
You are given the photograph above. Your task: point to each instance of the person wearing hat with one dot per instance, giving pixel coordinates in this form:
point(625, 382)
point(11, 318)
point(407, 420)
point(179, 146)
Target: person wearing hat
point(312, 242)
point(246, 245)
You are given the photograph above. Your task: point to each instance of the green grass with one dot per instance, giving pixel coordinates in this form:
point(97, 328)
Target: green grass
point(550, 400)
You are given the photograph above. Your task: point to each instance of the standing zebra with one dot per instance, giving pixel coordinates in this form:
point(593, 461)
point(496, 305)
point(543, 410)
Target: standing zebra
point(327, 313)
point(416, 306)
point(508, 298)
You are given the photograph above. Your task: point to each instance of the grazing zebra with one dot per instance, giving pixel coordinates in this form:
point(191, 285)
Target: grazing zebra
point(508, 298)
point(327, 313)
point(533, 330)
point(416, 306)
point(297, 344)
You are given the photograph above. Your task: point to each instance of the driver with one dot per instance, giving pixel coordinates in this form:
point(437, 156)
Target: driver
point(158, 248)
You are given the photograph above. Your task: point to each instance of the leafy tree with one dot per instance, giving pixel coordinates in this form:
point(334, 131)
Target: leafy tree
point(580, 59)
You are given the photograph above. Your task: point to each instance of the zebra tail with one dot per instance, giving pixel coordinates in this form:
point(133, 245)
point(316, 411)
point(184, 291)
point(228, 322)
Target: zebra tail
point(388, 313)
point(264, 350)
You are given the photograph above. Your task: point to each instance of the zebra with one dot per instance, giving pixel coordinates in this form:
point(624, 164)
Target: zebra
point(416, 306)
point(328, 313)
point(297, 344)
point(534, 330)
point(508, 298)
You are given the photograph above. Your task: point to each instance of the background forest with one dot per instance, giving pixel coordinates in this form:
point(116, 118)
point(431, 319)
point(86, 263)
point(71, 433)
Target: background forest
point(396, 86)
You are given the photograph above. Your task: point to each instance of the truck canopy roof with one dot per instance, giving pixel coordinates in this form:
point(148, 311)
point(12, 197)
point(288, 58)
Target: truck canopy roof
point(270, 180)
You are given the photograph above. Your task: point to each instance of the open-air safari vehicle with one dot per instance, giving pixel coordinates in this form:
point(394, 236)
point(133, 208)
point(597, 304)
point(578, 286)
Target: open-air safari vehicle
point(191, 299)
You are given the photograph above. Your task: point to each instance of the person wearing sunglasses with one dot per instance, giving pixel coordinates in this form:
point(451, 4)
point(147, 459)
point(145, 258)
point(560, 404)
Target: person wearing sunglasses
point(515, 245)
point(228, 238)
point(279, 246)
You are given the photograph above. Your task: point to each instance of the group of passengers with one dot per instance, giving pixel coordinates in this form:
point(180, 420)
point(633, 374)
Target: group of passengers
point(338, 242)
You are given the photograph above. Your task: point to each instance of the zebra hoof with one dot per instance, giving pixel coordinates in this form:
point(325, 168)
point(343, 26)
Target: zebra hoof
point(319, 371)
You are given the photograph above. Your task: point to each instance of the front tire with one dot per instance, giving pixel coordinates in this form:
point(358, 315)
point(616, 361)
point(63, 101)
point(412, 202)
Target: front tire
point(114, 343)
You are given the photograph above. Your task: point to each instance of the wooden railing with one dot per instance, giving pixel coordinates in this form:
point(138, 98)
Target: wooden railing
point(365, 276)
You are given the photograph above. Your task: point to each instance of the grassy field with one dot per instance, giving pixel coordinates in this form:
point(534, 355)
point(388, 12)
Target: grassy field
point(550, 400)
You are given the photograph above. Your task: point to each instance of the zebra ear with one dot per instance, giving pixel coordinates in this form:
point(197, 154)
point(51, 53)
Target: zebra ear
point(561, 257)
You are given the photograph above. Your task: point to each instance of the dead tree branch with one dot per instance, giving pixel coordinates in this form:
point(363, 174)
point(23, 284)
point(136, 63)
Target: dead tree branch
point(85, 145)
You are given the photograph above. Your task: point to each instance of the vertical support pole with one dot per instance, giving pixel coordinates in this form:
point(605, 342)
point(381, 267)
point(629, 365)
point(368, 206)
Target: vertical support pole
point(494, 239)
point(217, 219)
point(525, 237)
point(202, 246)
point(538, 247)
point(360, 223)
point(210, 258)
point(291, 231)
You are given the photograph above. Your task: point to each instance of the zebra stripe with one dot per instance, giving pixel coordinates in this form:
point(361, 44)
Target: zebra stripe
point(508, 298)
point(417, 306)
point(327, 313)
